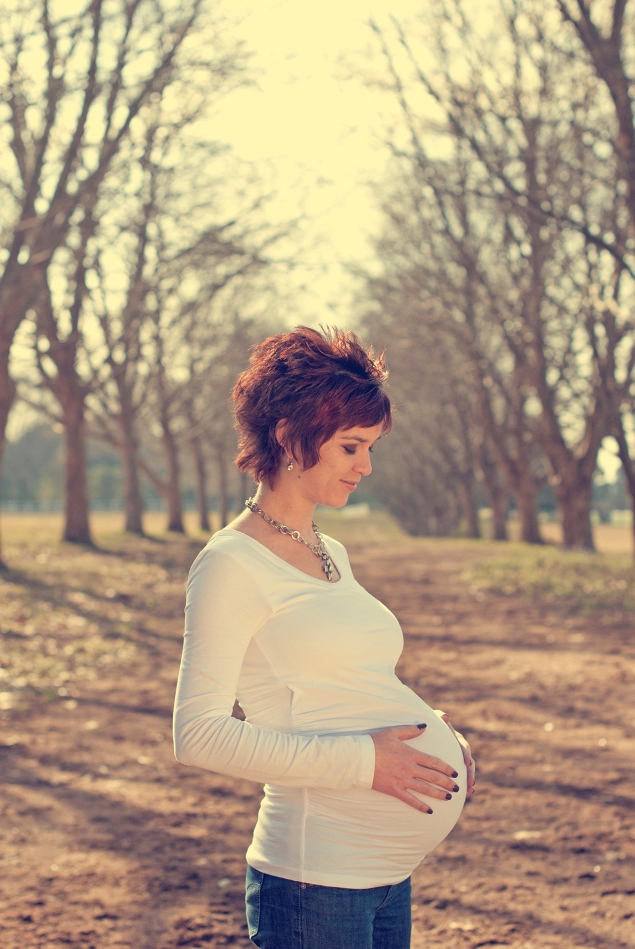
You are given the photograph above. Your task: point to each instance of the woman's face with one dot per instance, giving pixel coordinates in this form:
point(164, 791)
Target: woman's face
point(344, 461)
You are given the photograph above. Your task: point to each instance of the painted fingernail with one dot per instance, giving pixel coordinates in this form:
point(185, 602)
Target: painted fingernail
point(454, 774)
point(422, 726)
point(430, 811)
point(456, 788)
point(448, 797)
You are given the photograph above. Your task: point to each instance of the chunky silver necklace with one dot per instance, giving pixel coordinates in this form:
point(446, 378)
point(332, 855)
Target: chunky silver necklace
point(318, 549)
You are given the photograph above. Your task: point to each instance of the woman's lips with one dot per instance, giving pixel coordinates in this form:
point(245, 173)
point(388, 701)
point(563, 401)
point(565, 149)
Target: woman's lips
point(351, 485)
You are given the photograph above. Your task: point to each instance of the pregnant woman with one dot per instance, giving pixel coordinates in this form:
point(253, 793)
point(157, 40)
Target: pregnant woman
point(362, 778)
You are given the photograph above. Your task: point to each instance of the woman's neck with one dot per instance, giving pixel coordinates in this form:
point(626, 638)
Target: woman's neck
point(287, 508)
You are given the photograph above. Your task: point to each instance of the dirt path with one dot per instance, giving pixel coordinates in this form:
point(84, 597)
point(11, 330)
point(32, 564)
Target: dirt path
point(107, 842)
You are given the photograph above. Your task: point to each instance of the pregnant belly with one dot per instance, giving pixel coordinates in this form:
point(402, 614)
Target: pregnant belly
point(383, 835)
point(382, 816)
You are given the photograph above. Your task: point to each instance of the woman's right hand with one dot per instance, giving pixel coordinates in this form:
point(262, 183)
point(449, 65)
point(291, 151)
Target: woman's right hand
point(400, 768)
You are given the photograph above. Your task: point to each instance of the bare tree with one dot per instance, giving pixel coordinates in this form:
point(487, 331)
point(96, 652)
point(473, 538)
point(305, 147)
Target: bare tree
point(185, 338)
point(121, 376)
point(207, 408)
point(496, 489)
point(458, 449)
point(606, 33)
point(439, 289)
point(71, 125)
point(427, 478)
point(122, 379)
point(189, 229)
point(71, 94)
point(59, 373)
point(520, 126)
point(153, 321)
point(208, 425)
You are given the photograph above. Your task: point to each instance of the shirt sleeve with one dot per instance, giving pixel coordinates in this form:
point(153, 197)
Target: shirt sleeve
point(224, 609)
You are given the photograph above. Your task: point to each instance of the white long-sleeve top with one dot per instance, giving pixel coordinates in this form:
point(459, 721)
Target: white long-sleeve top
point(312, 664)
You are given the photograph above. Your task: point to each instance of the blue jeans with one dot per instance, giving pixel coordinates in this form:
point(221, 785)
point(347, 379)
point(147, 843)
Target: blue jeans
point(283, 914)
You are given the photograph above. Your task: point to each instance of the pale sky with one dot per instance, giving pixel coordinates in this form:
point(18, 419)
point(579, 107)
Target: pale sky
point(318, 129)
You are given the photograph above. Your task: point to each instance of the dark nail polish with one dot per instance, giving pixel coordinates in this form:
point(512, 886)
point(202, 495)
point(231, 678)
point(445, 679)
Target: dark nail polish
point(430, 811)
point(448, 797)
point(456, 788)
point(454, 774)
point(422, 726)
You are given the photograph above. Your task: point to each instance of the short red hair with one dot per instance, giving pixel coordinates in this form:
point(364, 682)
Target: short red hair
point(317, 383)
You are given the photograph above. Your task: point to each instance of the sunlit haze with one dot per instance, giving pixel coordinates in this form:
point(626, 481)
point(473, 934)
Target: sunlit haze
point(315, 127)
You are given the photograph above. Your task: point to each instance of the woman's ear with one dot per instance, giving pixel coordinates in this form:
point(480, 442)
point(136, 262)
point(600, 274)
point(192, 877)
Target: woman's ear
point(281, 436)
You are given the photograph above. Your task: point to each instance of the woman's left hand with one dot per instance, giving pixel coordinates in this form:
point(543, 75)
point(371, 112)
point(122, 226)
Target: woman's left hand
point(470, 764)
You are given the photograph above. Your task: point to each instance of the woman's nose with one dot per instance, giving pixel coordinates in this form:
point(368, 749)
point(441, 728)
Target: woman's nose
point(364, 466)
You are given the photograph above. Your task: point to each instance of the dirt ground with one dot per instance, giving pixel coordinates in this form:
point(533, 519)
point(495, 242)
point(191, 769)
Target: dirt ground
point(106, 841)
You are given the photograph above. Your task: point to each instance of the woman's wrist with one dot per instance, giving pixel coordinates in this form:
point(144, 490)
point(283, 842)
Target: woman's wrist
point(367, 761)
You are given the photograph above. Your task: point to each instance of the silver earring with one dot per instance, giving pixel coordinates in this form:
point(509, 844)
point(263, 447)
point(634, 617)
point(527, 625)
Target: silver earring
point(290, 465)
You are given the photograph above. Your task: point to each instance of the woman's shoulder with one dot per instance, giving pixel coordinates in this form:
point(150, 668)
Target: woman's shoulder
point(226, 549)
point(222, 583)
point(227, 538)
point(227, 563)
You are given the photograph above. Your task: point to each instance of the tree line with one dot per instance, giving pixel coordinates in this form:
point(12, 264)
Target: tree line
point(137, 256)
point(505, 275)
point(139, 263)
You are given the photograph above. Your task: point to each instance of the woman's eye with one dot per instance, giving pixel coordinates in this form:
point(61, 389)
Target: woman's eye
point(352, 451)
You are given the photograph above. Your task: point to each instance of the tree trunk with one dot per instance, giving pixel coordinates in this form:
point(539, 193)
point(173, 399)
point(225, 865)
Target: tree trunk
point(173, 482)
point(526, 494)
point(499, 515)
point(133, 499)
point(19, 287)
point(465, 484)
point(77, 523)
point(200, 469)
point(574, 501)
point(223, 499)
point(3, 564)
point(629, 469)
point(498, 495)
point(7, 395)
point(515, 466)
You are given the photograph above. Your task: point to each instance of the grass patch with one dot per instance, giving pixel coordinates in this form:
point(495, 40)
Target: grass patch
point(374, 527)
point(590, 581)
